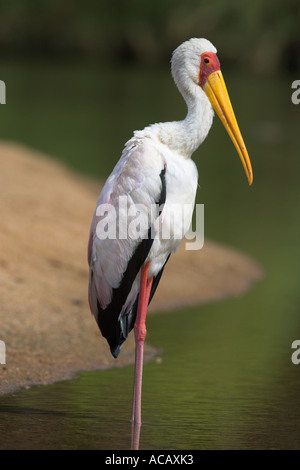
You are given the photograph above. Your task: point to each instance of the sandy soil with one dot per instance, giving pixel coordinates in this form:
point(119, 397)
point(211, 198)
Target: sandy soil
point(45, 321)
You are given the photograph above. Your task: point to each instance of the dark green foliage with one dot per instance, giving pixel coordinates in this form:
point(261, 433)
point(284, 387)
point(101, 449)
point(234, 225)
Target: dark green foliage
point(261, 35)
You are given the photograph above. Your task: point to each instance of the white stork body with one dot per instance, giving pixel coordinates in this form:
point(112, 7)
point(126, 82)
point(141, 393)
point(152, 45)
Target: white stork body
point(136, 178)
point(154, 175)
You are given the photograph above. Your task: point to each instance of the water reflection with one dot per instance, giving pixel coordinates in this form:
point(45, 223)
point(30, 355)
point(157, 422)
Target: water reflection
point(135, 436)
point(186, 404)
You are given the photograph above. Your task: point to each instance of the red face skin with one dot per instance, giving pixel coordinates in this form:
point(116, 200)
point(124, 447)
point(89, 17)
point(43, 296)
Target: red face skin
point(209, 64)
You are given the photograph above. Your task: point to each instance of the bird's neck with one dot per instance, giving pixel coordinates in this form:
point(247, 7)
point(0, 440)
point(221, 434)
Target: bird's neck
point(185, 136)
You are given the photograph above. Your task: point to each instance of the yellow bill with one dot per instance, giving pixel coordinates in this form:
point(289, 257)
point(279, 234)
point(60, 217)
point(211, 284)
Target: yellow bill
point(217, 94)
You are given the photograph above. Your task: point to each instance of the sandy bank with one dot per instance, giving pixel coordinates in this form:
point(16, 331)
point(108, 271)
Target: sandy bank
point(45, 321)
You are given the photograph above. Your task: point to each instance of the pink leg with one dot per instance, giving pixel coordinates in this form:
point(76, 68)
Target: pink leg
point(140, 335)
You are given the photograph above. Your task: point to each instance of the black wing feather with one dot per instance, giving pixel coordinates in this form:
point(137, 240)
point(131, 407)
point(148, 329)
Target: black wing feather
point(114, 328)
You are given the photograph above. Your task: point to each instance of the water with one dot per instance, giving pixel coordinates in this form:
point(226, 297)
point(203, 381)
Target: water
point(225, 378)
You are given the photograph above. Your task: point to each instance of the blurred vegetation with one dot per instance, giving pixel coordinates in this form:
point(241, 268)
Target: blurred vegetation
point(258, 35)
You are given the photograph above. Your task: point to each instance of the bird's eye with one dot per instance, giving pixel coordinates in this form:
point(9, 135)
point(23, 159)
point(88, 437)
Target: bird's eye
point(206, 61)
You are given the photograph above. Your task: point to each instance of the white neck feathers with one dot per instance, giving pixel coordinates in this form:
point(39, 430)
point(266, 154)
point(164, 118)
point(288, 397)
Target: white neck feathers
point(185, 136)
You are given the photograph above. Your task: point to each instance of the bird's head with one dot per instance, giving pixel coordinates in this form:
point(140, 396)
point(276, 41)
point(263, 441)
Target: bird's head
point(195, 64)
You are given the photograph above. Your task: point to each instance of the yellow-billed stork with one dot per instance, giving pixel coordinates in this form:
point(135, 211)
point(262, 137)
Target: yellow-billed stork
point(154, 174)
